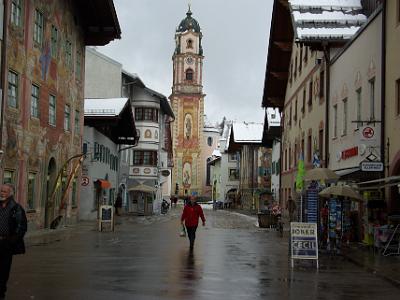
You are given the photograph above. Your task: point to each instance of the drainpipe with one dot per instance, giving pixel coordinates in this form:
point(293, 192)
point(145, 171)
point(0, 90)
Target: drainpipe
point(3, 71)
point(383, 91)
point(327, 98)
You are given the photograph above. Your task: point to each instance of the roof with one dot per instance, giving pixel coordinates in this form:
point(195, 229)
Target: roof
point(321, 20)
point(113, 117)
point(104, 106)
point(247, 132)
point(101, 27)
point(189, 23)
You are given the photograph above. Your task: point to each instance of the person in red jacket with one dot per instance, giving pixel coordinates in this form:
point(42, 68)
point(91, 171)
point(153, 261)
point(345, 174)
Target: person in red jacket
point(190, 218)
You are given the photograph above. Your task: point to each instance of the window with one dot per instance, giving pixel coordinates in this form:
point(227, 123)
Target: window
point(303, 108)
point(208, 172)
point(358, 108)
point(295, 66)
point(189, 74)
point(302, 148)
point(290, 157)
point(310, 93)
point(233, 174)
point(372, 98)
point(35, 101)
point(52, 110)
point(146, 114)
point(398, 95)
point(8, 177)
point(209, 141)
point(16, 12)
point(74, 192)
point(38, 27)
point(285, 159)
point(77, 122)
point(232, 157)
point(291, 73)
point(67, 117)
point(189, 44)
point(290, 115)
point(295, 111)
point(335, 120)
point(296, 151)
point(12, 89)
point(68, 53)
point(321, 84)
point(148, 158)
point(54, 41)
point(78, 69)
point(309, 148)
point(31, 191)
point(345, 116)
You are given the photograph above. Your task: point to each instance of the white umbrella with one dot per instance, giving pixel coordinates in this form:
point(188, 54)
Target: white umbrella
point(320, 174)
point(340, 190)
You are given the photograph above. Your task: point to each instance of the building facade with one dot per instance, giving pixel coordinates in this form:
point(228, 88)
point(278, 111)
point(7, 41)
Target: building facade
point(210, 142)
point(187, 100)
point(42, 110)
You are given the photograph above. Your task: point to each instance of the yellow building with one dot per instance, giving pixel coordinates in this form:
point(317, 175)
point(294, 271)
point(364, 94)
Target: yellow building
point(187, 101)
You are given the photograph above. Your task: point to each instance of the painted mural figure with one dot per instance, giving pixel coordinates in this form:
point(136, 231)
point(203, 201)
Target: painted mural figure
point(187, 174)
point(188, 127)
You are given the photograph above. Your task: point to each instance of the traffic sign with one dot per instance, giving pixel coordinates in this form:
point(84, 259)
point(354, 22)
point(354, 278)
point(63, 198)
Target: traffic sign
point(85, 181)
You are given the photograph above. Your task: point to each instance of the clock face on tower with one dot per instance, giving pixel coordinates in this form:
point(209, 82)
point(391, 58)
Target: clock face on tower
point(189, 60)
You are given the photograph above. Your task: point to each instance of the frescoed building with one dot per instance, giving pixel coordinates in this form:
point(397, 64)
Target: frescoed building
point(187, 100)
point(42, 100)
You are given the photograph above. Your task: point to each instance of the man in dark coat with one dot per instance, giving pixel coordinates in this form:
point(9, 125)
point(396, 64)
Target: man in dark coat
point(13, 226)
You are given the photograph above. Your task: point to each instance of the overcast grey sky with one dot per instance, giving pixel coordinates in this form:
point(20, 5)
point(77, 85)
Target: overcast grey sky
point(235, 40)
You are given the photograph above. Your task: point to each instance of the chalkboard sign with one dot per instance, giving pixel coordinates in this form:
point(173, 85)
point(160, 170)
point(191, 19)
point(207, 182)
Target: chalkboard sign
point(106, 220)
point(106, 214)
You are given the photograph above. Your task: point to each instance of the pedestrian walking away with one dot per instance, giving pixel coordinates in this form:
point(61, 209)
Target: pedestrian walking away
point(13, 226)
point(190, 218)
point(118, 205)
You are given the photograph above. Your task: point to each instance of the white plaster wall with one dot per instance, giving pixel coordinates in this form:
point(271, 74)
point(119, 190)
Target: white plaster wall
point(275, 177)
point(362, 59)
point(102, 76)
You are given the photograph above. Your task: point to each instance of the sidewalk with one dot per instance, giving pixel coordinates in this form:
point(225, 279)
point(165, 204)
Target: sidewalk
point(387, 267)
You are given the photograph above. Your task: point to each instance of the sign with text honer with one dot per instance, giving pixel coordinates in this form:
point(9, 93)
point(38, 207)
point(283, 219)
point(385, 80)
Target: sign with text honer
point(303, 241)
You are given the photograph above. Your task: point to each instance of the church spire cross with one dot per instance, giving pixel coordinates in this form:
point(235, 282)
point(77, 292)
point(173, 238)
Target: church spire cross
point(189, 12)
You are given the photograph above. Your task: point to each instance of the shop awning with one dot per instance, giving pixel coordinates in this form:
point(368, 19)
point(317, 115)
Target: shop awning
point(380, 183)
point(344, 172)
point(103, 184)
point(143, 188)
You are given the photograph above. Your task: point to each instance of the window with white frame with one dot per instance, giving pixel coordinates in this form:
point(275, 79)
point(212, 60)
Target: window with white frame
point(38, 27)
point(16, 12)
point(35, 101)
point(372, 98)
point(12, 89)
point(31, 191)
point(358, 108)
point(54, 41)
point(52, 110)
point(67, 117)
point(8, 176)
point(335, 120)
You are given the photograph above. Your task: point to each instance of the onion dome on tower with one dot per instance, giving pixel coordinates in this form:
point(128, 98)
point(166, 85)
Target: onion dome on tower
point(188, 24)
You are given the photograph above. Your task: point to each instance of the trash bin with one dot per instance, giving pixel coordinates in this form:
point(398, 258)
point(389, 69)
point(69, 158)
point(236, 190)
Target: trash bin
point(265, 220)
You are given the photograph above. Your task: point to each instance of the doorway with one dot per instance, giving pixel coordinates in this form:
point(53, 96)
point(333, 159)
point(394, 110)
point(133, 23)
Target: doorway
point(49, 203)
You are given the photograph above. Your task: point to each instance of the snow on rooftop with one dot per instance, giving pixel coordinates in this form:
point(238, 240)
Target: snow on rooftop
point(326, 19)
point(327, 4)
point(104, 106)
point(336, 17)
point(247, 132)
point(327, 33)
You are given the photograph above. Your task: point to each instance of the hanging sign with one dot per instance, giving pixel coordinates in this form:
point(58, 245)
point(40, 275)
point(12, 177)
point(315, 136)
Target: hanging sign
point(303, 241)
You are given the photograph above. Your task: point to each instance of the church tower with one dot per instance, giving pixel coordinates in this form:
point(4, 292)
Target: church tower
point(187, 100)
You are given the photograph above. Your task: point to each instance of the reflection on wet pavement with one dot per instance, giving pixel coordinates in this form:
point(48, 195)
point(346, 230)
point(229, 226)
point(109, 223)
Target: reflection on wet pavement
point(146, 259)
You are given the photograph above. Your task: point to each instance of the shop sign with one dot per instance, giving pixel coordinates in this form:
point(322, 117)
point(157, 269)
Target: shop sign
point(350, 152)
point(371, 166)
point(304, 242)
